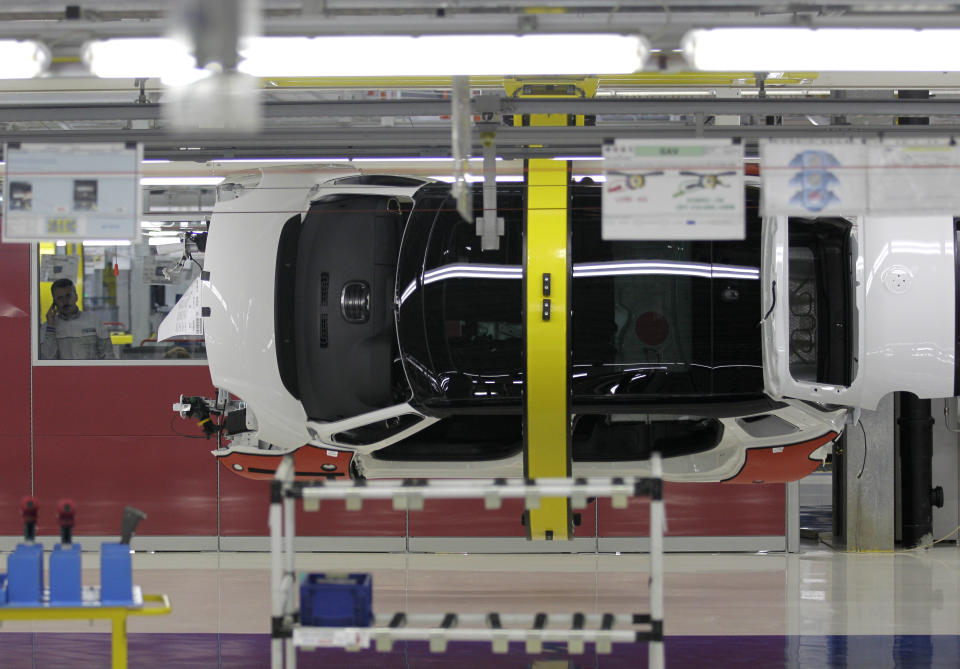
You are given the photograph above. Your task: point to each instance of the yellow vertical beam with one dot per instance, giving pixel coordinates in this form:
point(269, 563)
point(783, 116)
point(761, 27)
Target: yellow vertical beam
point(547, 421)
point(118, 641)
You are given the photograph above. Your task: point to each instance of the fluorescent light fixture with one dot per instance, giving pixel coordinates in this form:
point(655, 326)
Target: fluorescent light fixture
point(443, 55)
point(163, 241)
point(153, 161)
point(181, 181)
point(823, 49)
point(106, 242)
point(23, 59)
point(164, 58)
point(418, 159)
point(478, 178)
point(363, 55)
point(280, 160)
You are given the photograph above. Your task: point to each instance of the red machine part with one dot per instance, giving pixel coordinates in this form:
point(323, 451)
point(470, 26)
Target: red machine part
point(781, 464)
point(309, 463)
point(29, 506)
point(66, 513)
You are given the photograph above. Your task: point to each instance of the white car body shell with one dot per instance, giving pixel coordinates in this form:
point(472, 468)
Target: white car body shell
point(723, 462)
point(904, 311)
point(239, 293)
point(240, 336)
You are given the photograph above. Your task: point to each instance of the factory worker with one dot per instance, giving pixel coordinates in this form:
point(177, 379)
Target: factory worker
point(71, 334)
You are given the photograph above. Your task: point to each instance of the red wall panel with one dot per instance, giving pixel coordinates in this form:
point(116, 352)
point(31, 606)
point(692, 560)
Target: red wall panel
point(469, 518)
point(14, 481)
point(15, 340)
point(14, 376)
point(173, 480)
point(14, 280)
point(703, 509)
point(100, 400)
point(244, 506)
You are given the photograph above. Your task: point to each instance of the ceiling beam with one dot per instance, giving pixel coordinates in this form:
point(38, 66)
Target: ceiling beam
point(776, 106)
point(339, 143)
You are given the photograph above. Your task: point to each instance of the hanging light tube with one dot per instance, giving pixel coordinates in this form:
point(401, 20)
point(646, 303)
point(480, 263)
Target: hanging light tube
point(823, 49)
point(23, 59)
point(380, 55)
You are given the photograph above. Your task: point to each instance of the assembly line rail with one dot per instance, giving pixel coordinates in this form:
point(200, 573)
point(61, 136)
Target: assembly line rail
point(574, 629)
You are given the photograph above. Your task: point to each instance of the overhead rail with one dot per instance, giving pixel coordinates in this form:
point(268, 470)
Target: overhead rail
point(329, 144)
point(498, 628)
point(605, 106)
point(664, 20)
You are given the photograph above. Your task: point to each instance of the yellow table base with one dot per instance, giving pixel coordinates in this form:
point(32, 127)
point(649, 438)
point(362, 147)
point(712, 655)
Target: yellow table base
point(116, 614)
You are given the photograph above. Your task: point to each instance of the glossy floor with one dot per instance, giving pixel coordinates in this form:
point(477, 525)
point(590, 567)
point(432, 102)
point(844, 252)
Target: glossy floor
point(812, 609)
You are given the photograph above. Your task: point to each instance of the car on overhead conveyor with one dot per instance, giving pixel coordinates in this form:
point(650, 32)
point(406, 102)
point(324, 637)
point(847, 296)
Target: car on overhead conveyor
point(356, 321)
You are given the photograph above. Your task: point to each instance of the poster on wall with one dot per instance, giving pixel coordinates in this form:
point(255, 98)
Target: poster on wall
point(53, 267)
point(673, 189)
point(71, 192)
point(813, 177)
point(913, 175)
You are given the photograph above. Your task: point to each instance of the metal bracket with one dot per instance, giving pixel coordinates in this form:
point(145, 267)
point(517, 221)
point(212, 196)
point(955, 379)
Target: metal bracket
point(489, 226)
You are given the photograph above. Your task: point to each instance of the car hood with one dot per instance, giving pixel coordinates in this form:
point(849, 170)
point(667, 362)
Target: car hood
point(240, 271)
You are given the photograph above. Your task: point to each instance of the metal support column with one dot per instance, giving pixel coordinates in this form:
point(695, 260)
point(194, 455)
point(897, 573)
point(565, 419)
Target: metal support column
point(546, 407)
point(868, 470)
point(915, 431)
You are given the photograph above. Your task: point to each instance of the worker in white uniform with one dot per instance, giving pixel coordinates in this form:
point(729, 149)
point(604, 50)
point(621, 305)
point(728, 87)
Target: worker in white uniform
point(71, 334)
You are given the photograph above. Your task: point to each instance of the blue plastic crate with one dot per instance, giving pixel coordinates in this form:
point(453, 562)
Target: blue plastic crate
point(336, 600)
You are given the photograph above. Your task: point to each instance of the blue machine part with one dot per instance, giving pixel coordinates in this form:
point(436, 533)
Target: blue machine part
point(336, 600)
point(25, 575)
point(815, 160)
point(65, 587)
point(814, 192)
point(116, 577)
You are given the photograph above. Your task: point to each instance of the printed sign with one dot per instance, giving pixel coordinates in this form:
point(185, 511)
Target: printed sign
point(71, 192)
point(53, 267)
point(185, 317)
point(813, 177)
point(326, 637)
point(913, 175)
point(678, 189)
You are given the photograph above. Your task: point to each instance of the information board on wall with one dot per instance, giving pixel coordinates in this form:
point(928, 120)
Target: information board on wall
point(72, 192)
point(673, 189)
point(53, 267)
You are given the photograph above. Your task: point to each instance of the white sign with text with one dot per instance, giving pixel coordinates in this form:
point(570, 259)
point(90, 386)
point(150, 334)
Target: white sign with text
point(673, 189)
point(72, 192)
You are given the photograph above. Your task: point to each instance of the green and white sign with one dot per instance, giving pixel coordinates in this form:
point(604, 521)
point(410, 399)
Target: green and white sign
point(677, 189)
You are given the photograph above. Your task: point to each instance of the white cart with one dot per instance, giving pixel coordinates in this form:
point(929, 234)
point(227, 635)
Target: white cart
point(499, 629)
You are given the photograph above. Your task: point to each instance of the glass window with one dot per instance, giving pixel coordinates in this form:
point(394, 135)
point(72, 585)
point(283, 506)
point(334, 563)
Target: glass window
point(105, 302)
